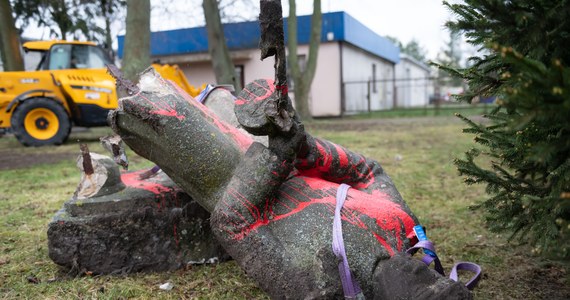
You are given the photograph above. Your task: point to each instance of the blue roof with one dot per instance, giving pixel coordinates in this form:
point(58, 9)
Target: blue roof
point(245, 35)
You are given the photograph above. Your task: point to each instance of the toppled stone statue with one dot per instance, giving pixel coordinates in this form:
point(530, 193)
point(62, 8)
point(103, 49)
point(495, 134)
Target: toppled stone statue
point(273, 206)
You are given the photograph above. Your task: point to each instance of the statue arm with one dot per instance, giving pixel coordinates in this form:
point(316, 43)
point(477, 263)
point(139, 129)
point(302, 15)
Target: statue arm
point(253, 184)
point(240, 220)
point(324, 159)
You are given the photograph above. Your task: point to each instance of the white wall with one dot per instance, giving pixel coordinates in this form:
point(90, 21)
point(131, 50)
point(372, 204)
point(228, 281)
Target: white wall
point(357, 71)
point(325, 94)
point(324, 98)
point(326, 91)
point(198, 73)
point(412, 85)
point(255, 68)
point(198, 67)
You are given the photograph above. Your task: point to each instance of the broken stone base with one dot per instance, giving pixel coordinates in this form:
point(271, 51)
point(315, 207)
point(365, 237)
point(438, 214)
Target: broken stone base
point(150, 225)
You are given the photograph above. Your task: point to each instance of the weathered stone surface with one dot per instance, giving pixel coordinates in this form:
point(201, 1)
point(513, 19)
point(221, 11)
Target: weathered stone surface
point(187, 140)
point(273, 206)
point(222, 103)
point(150, 225)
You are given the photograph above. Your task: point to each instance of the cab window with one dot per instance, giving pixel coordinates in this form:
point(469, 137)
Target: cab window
point(77, 57)
point(88, 57)
point(59, 57)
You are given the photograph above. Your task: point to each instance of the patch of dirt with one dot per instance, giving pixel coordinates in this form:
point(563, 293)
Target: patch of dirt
point(535, 278)
point(11, 159)
point(549, 282)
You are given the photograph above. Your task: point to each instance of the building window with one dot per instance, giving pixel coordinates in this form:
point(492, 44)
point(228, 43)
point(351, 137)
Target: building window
point(374, 89)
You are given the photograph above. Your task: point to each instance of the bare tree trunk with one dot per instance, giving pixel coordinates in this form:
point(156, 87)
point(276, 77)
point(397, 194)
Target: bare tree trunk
point(224, 68)
point(106, 11)
point(137, 38)
point(2, 59)
point(9, 39)
point(109, 39)
point(304, 78)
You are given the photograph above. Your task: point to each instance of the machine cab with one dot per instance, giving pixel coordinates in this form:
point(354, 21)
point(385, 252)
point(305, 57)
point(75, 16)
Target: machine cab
point(69, 55)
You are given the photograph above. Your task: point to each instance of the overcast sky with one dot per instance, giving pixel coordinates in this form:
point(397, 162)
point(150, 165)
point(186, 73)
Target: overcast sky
point(404, 19)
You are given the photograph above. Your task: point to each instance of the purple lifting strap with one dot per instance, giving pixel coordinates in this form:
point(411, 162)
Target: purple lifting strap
point(349, 284)
point(427, 259)
point(467, 266)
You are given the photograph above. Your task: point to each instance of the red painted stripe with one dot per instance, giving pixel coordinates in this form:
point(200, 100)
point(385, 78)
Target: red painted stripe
point(268, 91)
point(342, 156)
point(162, 108)
point(242, 140)
point(389, 215)
point(132, 180)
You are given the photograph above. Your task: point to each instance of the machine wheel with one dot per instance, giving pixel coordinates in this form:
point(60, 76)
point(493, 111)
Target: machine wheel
point(39, 122)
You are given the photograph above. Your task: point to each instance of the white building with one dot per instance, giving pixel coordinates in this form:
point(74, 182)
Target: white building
point(355, 68)
point(413, 83)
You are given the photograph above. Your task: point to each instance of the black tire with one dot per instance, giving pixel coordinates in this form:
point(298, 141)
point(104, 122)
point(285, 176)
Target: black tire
point(39, 122)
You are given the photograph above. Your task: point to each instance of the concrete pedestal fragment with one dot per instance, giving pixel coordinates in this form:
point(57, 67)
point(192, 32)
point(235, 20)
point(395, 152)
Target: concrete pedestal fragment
point(150, 225)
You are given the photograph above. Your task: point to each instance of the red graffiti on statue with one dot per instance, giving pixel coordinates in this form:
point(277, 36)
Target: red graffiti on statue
point(243, 141)
point(132, 180)
point(354, 167)
point(389, 216)
point(163, 108)
point(269, 90)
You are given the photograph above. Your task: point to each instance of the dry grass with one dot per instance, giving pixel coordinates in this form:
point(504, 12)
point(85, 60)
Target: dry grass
point(417, 153)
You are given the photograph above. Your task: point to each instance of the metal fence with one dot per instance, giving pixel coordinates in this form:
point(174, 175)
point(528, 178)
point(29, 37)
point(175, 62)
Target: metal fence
point(373, 95)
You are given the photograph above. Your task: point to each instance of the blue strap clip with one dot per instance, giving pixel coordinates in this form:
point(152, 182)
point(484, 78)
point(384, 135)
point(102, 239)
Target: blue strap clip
point(421, 235)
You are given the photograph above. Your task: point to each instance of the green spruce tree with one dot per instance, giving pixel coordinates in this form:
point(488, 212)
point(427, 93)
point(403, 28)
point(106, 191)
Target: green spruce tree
point(526, 65)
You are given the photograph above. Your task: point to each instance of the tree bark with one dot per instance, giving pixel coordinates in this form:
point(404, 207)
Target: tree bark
point(106, 11)
point(304, 78)
point(137, 38)
point(224, 68)
point(9, 39)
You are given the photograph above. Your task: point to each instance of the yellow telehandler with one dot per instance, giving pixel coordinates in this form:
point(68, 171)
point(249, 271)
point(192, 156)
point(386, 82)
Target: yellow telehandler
point(70, 86)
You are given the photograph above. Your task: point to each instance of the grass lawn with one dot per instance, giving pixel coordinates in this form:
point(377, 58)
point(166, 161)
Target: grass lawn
point(418, 154)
